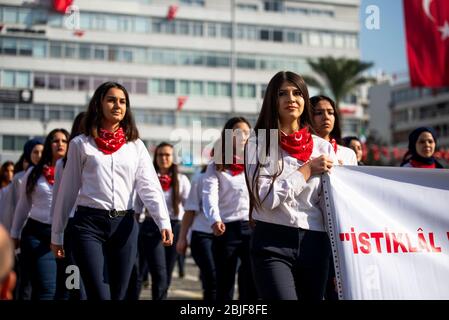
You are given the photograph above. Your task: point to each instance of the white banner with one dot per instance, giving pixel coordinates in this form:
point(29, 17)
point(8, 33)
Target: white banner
point(389, 229)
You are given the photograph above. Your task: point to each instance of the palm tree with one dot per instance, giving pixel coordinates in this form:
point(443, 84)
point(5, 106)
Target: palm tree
point(340, 75)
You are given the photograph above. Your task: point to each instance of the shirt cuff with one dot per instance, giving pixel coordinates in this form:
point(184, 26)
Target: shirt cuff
point(57, 238)
point(297, 182)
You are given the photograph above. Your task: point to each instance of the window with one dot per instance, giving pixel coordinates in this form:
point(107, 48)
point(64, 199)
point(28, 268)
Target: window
point(111, 23)
point(54, 82)
point(38, 112)
point(184, 87)
point(277, 36)
point(326, 39)
point(69, 83)
point(8, 111)
point(212, 30)
point(9, 15)
point(225, 89)
point(55, 50)
point(70, 51)
point(85, 52)
point(141, 86)
point(100, 53)
point(264, 35)
point(314, 39)
point(8, 79)
point(183, 27)
point(212, 89)
point(142, 25)
point(197, 29)
point(9, 46)
point(24, 112)
point(39, 80)
point(22, 79)
point(83, 83)
point(39, 49)
point(25, 48)
point(54, 114)
point(197, 88)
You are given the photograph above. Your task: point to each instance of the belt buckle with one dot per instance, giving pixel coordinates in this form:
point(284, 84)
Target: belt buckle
point(113, 213)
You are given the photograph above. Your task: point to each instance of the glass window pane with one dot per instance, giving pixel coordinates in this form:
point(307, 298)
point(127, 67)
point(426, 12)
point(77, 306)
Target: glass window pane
point(54, 114)
point(8, 111)
point(24, 112)
point(69, 83)
point(155, 86)
point(8, 142)
point(170, 86)
point(314, 39)
point(39, 49)
point(55, 50)
point(9, 15)
point(8, 79)
point(67, 114)
point(85, 52)
point(278, 36)
point(183, 27)
point(22, 79)
point(39, 80)
point(38, 112)
point(54, 82)
point(225, 89)
point(83, 83)
point(212, 30)
point(197, 88)
point(197, 29)
point(184, 87)
point(212, 89)
point(99, 53)
point(111, 23)
point(142, 25)
point(9, 46)
point(70, 51)
point(141, 86)
point(264, 35)
point(326, 39)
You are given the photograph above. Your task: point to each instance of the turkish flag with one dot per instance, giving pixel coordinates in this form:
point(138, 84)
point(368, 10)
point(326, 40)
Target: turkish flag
point(61, 5)
point(181, 101)
point(427, 35)
point(172, 10)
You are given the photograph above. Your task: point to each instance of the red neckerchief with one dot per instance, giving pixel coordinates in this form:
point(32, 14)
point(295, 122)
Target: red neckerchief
point(236, 168)
point(418, 164)
point(165, 181)
point(334, 144)
point(109, 142)
point(299, 144)
point(49, 174)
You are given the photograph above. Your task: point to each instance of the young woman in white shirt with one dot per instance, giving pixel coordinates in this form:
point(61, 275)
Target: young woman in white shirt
point(326, 121)
point(161, 261)
point(226, 206)
point(32, 220)
point(32, 153)
point(106, 166)
point(201, 238)
point(283, 166)
point(62, 292)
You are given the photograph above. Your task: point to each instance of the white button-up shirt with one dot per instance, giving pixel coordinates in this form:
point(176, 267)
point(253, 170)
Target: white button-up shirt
point(292, 201)
point(36, 206)
point(225, 197)
point(194, 203)
point(108, 181)
point(346, 156)
point(10, 200)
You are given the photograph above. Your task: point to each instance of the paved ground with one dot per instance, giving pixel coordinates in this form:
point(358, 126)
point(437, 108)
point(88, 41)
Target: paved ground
point(187, 288)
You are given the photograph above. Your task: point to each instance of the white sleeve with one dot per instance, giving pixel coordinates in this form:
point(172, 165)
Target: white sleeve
point(185, 190)
point(271, 194)
point(149, 189)
point(67, 191)
point(193, 200)
point(23, 208)
point(210, 194)
point(58, 176)
point(11, 200)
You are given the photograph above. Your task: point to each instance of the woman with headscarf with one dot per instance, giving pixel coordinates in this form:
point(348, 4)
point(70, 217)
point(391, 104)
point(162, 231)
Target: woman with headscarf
point(421, 148)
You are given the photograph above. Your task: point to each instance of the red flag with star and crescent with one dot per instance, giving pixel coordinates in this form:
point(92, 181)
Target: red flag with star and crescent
point(427, 35)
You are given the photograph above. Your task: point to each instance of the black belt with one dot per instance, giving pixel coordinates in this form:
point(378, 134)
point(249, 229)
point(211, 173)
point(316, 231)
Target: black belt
point(111, 213)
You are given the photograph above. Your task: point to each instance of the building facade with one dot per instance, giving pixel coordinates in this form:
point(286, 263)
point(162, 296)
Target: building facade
point(188, 65)
point(396, 109)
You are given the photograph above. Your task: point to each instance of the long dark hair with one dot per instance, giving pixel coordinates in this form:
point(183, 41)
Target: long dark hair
point(19, 165)
point(336, 131)
point(77, 129)
point(229, 125)
point(269, 119)
point(94, 115)
point(3, 181)
point(46, 159)
point(173, 170)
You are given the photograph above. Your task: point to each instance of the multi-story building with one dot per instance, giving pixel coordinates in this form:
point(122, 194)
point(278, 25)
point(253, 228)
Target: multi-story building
point(397, 109)
point(215, 56)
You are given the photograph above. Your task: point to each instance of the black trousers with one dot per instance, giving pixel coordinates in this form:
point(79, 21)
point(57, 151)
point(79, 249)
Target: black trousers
point(289, 263)
point(201, 248)
point(105, 250)
point(231, 250)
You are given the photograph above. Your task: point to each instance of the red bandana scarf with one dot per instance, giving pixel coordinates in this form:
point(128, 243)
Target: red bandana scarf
point(418, 164)
point(334, 144)
point(165, 181)
point(236, 168)
point(299, 144)
point(49, 174)
point(109, 142)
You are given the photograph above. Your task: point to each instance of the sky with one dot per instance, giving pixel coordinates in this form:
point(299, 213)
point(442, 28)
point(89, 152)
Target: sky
point(385, 46)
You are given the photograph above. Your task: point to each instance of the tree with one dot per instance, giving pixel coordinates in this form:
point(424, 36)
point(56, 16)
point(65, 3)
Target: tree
point(340, 75)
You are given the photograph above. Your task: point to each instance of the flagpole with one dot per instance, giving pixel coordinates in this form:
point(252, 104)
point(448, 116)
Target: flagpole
point(233, 57)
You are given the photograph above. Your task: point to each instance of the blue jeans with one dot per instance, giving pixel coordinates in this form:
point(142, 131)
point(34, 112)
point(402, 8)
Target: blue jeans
point(38, 260)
